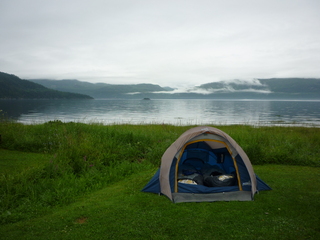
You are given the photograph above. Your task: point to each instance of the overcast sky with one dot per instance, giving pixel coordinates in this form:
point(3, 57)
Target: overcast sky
point(167, 42)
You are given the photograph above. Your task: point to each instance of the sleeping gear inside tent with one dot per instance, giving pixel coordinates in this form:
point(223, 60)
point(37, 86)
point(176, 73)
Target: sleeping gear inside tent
point(205, 164)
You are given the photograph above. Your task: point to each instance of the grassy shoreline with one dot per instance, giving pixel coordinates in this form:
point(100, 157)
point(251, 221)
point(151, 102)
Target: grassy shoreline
point(49, 170)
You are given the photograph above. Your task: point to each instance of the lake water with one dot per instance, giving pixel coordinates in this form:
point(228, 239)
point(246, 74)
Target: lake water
point(166, 111)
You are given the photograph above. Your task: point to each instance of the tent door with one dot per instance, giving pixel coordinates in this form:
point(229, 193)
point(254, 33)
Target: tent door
point(221, 159)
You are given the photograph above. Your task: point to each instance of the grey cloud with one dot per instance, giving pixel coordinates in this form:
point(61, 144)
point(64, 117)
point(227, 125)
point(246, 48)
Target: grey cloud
point(179, 43)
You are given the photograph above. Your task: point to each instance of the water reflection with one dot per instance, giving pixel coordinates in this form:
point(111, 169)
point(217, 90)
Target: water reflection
point(177, 111)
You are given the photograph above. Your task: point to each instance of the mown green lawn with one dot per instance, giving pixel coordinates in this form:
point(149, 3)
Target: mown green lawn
point(290, 211)
point(12, 162)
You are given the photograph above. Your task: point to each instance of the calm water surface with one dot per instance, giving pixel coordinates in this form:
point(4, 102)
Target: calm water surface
point(168, 111)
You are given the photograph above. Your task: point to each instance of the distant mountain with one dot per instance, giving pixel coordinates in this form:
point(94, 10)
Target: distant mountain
point(293, 85)
point(235, 86)
point(12, 87)
point(279, 88)
point(266, 88)
point(100, 90)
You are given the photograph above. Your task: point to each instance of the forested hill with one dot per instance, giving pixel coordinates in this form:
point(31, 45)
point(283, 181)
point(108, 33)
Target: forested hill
point(272, 85)
point(273, 88)
point(101, 90)
point(281, 88)
point(292, 85)
point(12, 87)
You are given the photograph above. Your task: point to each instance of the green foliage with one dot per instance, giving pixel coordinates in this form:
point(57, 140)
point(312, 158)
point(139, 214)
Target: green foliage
point(68, 160)
point(84, 158)
point(280, 145)
point(121, 211)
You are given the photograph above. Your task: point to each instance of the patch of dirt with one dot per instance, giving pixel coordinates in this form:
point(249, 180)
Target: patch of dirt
point(81, 220)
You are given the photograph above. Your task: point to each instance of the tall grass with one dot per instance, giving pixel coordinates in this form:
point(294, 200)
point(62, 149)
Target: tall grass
point(87, 157)
point(279, 145)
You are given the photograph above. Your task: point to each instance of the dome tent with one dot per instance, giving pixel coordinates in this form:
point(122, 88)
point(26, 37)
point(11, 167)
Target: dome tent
point(205, 165)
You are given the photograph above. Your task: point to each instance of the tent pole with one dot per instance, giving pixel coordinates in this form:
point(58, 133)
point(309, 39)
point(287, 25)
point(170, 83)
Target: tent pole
point(237, 172)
